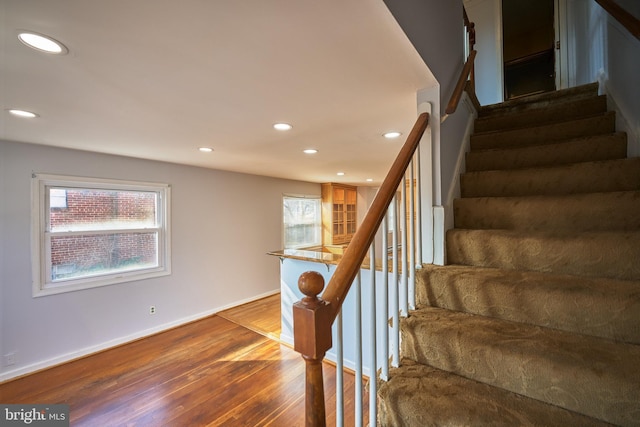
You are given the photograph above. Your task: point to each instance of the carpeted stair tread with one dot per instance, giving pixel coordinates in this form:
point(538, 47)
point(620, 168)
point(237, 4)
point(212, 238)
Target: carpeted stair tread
point(586, 177)
point(422, 396)
point(591, 125)
point(599, 254)
point(579, 212)
point(585, 149)
point(540, 301)
point(558, 112)
point(596, 377)
point(540, 100)
point(600, 307)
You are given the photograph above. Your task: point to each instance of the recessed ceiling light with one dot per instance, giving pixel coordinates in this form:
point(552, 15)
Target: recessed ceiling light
point(369, 179)
point(205, 149)
point(391, 135)
point(42, 43)
point(340, 174)
point(23, 113)
point(282, 126)
point(310, 151)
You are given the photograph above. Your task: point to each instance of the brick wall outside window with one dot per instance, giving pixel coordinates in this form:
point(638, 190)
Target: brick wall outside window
point(97, 209)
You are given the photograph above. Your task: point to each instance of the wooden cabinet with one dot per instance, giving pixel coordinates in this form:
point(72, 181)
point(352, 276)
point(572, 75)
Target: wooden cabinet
point(339, 213)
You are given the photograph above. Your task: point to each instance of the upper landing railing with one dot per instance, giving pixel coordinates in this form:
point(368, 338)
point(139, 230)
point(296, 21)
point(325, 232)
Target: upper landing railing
point(468, 72)
point(630, 22)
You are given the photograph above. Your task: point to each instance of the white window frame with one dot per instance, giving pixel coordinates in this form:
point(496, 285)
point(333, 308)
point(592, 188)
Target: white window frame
point(304, 245)
point(42, 284)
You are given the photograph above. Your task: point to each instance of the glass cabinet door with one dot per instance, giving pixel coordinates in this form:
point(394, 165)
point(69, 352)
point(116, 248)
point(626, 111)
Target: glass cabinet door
point(338, 213)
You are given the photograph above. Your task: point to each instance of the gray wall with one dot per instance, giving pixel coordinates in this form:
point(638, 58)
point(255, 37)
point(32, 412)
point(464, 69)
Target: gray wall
point(223, 223)
point(435, 28)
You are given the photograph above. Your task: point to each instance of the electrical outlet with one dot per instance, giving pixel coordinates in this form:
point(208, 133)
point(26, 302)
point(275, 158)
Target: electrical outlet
point(152, 309)
point(9, 359)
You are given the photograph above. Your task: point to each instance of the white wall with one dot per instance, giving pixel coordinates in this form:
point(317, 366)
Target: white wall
point(601, 49)
point(223, 223)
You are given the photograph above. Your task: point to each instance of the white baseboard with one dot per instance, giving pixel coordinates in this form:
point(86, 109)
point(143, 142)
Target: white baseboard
point(439, 231)
point(623, 122)
point(87, 351)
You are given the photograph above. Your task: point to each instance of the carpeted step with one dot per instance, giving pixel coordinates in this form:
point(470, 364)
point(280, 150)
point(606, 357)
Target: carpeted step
point(574, 212)
point(422, 396)
point(596, 377)
point(587, 177)
point(541, 100)
point(585, 149)
point(592, 125)
point(599, 254)
point(558, 112)
point(600, 307)
point(536, 319)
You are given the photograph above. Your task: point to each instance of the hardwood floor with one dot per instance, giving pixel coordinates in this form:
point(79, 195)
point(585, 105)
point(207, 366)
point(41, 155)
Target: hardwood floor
point(212, 372)
point(261, 316)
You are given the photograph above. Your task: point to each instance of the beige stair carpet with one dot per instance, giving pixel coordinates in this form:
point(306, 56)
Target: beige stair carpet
point(535, 321)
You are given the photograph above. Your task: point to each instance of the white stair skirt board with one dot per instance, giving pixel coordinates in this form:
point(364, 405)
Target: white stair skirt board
point(438, 235)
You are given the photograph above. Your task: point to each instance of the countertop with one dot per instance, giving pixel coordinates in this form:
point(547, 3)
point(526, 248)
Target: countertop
point(324, 256)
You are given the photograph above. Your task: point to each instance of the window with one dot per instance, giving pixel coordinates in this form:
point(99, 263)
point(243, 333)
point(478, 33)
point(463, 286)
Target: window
point(91, 232)
point(302, 221)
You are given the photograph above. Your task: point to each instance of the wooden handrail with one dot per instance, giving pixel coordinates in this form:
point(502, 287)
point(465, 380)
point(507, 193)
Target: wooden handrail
point(457, 92)
point(313, 316)
point(630, 22)
point(468, 72)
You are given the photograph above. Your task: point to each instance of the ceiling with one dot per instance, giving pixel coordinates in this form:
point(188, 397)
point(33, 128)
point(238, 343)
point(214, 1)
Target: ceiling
point(157, 79)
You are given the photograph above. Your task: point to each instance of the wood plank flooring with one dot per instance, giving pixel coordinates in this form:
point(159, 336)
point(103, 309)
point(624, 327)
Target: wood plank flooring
point(212, 372)
point(262, 316)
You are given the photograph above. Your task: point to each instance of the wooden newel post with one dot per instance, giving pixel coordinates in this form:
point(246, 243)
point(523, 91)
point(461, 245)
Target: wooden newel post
point(312, 338)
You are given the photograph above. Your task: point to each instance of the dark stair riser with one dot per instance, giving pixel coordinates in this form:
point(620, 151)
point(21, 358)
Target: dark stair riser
point(589, 177)
point(586, 149)
point(595, 125)
point(539, 101)
point(549, 114)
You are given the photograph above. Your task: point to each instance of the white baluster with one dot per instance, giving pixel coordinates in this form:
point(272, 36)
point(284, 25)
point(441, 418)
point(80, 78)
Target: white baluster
point(404, 297)
point(395, 297)
point(411, 270)
point(384, 374)
point(358, 355)
point(373, 365)
point(339, 372)
point(418, 211)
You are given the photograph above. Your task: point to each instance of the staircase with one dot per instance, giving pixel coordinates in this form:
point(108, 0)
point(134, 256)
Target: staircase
point(536, 319)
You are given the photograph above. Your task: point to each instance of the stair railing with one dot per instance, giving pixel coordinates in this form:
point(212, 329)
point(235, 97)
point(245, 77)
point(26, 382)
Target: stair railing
point(314, 316)
point(470, 43)
point(630, 22)
point(467, 79)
